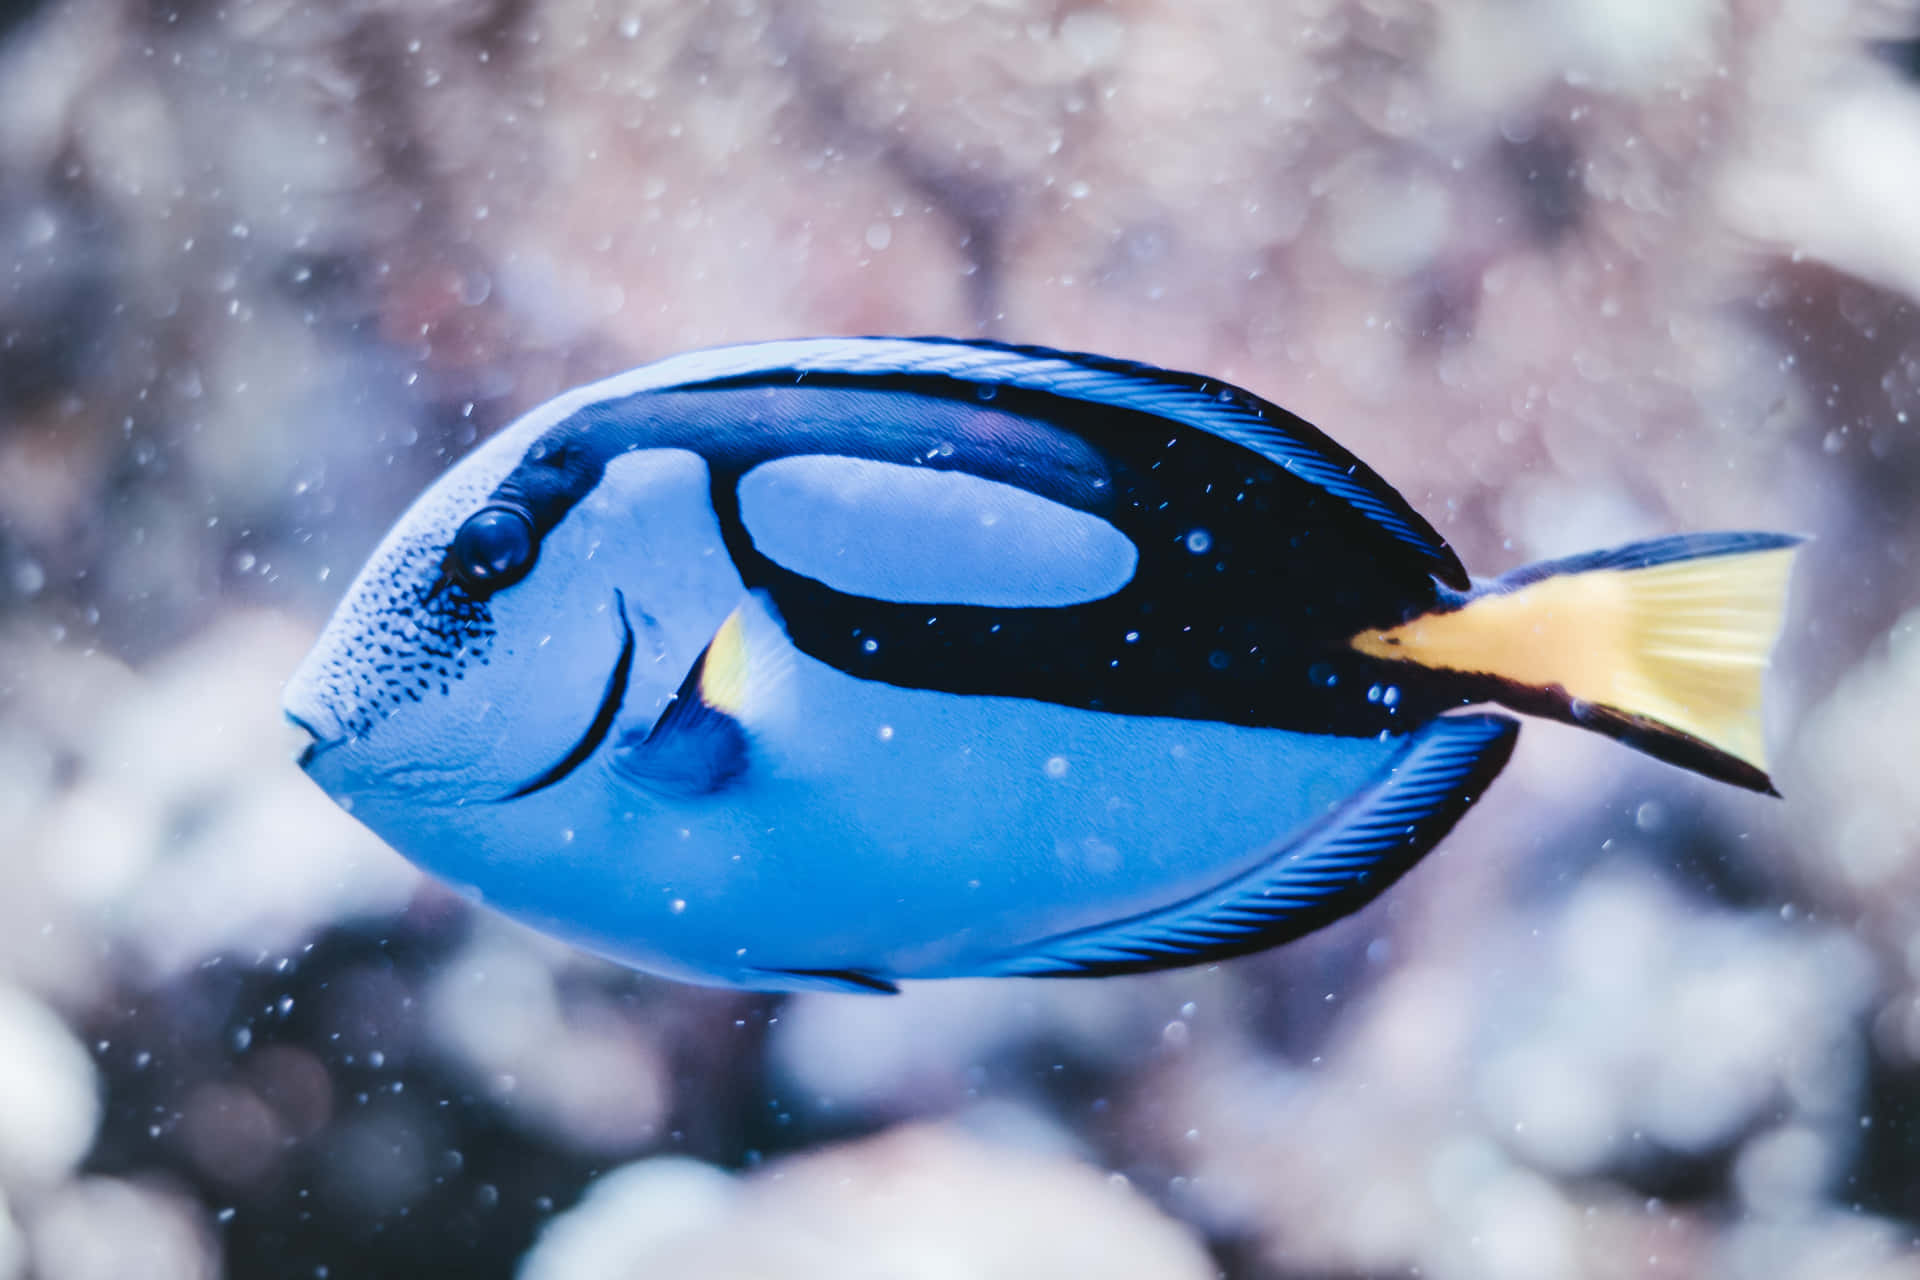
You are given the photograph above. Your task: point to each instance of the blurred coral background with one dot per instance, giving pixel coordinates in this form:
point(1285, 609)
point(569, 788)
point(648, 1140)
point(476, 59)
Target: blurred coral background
point(1568, 272)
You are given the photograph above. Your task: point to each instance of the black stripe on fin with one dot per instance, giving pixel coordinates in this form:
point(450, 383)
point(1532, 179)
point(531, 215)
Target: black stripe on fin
point(1339, 866)
point(1646, 554)
point(1664, 742)
point(847, 981)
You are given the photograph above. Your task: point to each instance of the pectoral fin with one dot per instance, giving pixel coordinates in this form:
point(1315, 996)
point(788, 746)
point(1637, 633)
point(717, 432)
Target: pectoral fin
point(702, 744)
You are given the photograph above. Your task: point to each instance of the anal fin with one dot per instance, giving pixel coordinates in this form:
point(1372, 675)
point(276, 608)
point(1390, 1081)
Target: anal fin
point(1335, 868)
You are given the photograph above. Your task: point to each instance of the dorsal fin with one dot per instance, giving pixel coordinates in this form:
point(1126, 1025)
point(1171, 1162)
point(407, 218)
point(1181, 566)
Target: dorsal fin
point(1218, 408)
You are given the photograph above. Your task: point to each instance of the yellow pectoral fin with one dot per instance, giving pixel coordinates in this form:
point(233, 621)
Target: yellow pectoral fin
point(723, 676)
point(709, 735)
point(744, 672)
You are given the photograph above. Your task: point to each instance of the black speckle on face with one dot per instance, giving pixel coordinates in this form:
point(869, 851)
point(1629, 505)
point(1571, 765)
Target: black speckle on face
point(415, 633)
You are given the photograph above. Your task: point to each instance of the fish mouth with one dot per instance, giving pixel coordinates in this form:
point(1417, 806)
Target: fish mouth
point(320, 745)
point(602, 718)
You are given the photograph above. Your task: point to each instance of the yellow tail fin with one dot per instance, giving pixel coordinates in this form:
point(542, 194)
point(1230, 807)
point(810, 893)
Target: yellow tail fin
point(1663, 644)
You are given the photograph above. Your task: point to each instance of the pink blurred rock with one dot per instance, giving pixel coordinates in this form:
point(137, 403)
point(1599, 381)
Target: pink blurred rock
point(920, 1201)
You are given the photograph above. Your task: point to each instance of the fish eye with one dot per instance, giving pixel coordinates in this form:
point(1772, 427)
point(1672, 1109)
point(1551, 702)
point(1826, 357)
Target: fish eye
point(493, 550)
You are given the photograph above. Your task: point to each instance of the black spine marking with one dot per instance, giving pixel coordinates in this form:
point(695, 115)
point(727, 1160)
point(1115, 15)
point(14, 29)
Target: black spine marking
point(1262, 548)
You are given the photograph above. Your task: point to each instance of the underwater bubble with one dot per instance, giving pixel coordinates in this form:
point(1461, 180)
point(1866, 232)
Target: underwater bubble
point(1199, 541)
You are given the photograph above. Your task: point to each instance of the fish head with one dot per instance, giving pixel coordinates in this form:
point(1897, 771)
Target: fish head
point(478, 664)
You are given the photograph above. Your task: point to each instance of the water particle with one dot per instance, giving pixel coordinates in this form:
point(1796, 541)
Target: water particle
point(1056, 766)
point(1199, 541)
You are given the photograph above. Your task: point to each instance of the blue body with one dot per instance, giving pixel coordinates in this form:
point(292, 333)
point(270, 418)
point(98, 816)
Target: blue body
point(1042, 671)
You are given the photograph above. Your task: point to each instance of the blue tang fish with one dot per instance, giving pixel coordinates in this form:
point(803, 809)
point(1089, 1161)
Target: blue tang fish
point(826, 664)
